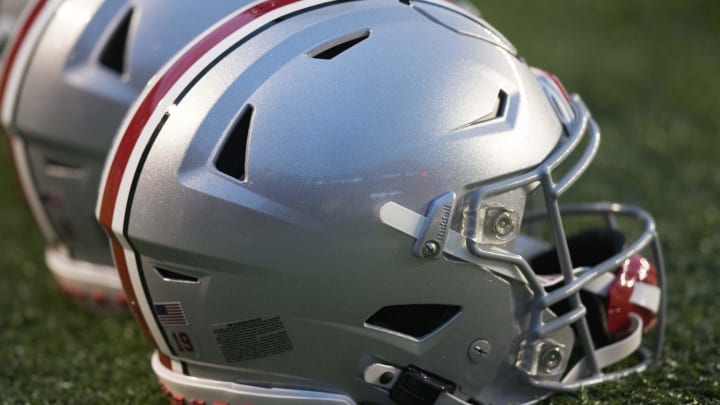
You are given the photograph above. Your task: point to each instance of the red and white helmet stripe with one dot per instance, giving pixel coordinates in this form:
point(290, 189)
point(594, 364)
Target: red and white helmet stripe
point(17, 55)
point(144, 117)
point(558, 95)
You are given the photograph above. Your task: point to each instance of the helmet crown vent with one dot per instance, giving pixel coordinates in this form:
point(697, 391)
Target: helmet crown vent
point(113, 55)
point(232, 158)
point(333, 48)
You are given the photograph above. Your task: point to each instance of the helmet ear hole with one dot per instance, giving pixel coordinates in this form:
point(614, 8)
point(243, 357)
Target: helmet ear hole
point(113, 55)
point(416, 321)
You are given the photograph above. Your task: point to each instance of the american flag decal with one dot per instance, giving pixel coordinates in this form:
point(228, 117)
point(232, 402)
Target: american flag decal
point(170, 314)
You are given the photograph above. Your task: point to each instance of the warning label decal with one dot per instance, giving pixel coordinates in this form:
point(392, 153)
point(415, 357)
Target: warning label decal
point(252, 339)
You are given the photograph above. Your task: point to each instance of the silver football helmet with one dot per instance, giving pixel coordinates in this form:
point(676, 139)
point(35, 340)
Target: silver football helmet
point(322, 202)
point(72, 71)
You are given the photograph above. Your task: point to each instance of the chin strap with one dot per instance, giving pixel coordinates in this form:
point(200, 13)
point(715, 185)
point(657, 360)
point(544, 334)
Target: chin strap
point(610, 354)
point(411, 385)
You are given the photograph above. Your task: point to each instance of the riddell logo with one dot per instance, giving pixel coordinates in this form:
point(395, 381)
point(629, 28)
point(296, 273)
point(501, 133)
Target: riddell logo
point(444, 222)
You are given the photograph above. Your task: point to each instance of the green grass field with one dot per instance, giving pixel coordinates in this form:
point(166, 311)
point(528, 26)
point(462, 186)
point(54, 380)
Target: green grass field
point(649, 72)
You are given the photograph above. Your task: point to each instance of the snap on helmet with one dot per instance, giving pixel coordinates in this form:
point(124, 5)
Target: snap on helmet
point(358, 203)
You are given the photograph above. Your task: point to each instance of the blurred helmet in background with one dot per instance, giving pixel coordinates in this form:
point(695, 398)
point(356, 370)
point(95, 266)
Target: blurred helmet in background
point(9, 12)
point(343, 203)
point(70, 73)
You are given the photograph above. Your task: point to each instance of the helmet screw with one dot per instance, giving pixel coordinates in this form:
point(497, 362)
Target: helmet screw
point(478, 350)
point(430, 248)
point(550, 358)
point(504, 225)
point(386, 378)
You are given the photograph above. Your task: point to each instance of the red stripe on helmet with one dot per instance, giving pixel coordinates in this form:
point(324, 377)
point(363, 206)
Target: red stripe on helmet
point(139, 120)
point(165, 360)
point(121, 265)
point(16, 44)
point(10, 54)
point(557, 82)
point(159, 90)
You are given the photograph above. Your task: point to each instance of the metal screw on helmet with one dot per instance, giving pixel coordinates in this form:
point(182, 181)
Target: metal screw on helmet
point(383, 375)
point(386, 377)
point(504, 225)
point(430, 241)
point(430, 248)
point(479, 350)
point(550, 358)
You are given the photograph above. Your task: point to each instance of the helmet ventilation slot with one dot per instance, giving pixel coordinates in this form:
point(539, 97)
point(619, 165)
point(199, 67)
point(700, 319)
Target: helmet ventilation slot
point(416, 321)
point(63, 170)
point(337, 46)
point(172, 276)
point(233, 155)
point(498, 110)
point(113, 55)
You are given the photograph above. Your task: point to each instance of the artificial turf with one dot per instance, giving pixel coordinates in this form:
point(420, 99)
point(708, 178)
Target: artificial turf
point(649, 72)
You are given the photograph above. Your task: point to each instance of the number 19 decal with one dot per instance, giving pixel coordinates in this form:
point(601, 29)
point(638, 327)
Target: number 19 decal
point(183, 342)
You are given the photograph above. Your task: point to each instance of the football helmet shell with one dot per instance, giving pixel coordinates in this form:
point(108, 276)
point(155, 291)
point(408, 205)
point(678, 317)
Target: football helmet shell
point(73, 69)
point(321, 202)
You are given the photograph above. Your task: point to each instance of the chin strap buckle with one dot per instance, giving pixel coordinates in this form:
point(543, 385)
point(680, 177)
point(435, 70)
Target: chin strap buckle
point(412, 386)
point(417, 387)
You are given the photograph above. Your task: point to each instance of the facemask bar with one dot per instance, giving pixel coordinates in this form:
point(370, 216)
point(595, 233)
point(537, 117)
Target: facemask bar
point(573, 280)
